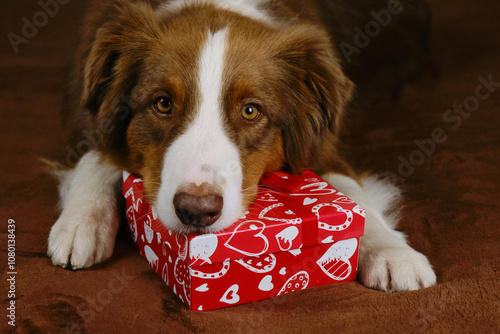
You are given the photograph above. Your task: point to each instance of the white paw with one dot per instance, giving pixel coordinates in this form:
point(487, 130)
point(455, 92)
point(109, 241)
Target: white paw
point(396, 269)
point(80, 238)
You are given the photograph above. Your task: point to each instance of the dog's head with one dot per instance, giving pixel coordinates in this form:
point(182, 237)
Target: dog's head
point(203, 101)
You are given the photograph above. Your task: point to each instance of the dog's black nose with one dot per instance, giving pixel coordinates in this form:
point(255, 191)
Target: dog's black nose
point(198, 206)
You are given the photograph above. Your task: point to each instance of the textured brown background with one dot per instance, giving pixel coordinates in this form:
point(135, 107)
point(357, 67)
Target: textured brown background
point(452, 211)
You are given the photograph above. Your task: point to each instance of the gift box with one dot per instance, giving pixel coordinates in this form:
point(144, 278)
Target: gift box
point(300, 232)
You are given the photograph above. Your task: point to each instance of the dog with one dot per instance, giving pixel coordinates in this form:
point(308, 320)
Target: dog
point(202, 97)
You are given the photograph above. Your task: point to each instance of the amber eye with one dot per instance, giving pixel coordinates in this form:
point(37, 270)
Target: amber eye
point(163, 106)
point(250, 112)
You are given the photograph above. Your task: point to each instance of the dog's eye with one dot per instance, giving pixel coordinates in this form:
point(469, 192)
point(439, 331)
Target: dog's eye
point(250, 112)
point(163, 106)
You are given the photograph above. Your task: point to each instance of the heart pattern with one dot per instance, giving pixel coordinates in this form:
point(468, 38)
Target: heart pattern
point(202, 248)
point(286, 237)
point(322, 221)
point(182, 276)
point(298, 281)
point(202, 288)
point(335, 261)
point(148, 232)
point(308, 201)
point(132, 223)
point(182, 244)
point(359, 210)
point(266, 283)
point(164, 273)
point(267, 197)
point(259, 264)
point(258, 243)
point(327, 240)
point(231, 295)
point(316, 189)
point(212, 275)
point(251, 259)
point(278, 210)
point(151, 256)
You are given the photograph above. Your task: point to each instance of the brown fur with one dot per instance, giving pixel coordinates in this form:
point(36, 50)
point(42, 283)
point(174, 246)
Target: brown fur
point(129, 57)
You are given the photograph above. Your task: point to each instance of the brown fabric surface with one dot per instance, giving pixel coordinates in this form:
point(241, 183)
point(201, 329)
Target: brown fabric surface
point(452, 210)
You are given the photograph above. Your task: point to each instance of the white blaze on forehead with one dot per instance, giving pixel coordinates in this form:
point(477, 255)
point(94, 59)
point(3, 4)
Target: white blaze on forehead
point(248, 8)
point(204, 152)
point(207, 129)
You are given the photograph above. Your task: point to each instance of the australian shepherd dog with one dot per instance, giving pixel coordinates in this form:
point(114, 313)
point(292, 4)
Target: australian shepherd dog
point(201, 97)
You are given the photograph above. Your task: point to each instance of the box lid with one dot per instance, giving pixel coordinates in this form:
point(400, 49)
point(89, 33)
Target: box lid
point(289, 213)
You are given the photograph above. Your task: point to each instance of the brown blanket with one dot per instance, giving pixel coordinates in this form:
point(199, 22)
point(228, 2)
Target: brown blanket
point(448, 160)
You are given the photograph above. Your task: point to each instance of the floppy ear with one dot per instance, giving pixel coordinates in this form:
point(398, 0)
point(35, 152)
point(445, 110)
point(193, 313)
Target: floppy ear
point(316, 95)
point(112, 68)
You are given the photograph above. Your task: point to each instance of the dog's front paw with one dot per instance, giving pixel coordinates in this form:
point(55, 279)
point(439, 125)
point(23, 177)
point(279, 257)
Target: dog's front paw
point(80, 239)
point(396, 269)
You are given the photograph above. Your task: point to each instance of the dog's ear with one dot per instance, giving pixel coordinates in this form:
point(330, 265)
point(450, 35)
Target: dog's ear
point(316, 94)
point(112, 67)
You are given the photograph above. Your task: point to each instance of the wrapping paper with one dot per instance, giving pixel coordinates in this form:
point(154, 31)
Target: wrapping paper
point(300, 232)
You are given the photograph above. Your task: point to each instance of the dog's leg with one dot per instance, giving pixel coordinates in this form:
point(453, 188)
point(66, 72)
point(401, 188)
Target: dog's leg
point(85, 232)
point(386, 261)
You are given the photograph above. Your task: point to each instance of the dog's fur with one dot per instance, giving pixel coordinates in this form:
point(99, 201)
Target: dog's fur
point(208, 61)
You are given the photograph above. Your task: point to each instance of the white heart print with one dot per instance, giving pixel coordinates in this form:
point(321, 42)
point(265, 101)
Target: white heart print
point(151, 257)
point(149, 232)
point(202, 288)
point(327, 240)
point(298, 281)
point(164, 273)
point(202, 247)
point(264, 212)
point(285, 238)
point(182, 243)
point(250, 263)
point(266, 283)
point(324, 226)
point(255, 225)
point(132, 223)
point(231, 295)
point(335, 262)
point(359, 210)
point(309, 200)
point(212, 275)
point(316, 189)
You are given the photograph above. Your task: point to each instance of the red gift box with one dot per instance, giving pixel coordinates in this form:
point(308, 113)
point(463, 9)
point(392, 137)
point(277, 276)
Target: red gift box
point(300, 232)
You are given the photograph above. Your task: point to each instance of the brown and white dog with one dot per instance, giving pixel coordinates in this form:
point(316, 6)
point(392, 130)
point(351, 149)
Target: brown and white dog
point(200, 98)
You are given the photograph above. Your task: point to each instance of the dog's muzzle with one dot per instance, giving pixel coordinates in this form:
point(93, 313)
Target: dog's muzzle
point(198, 206)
